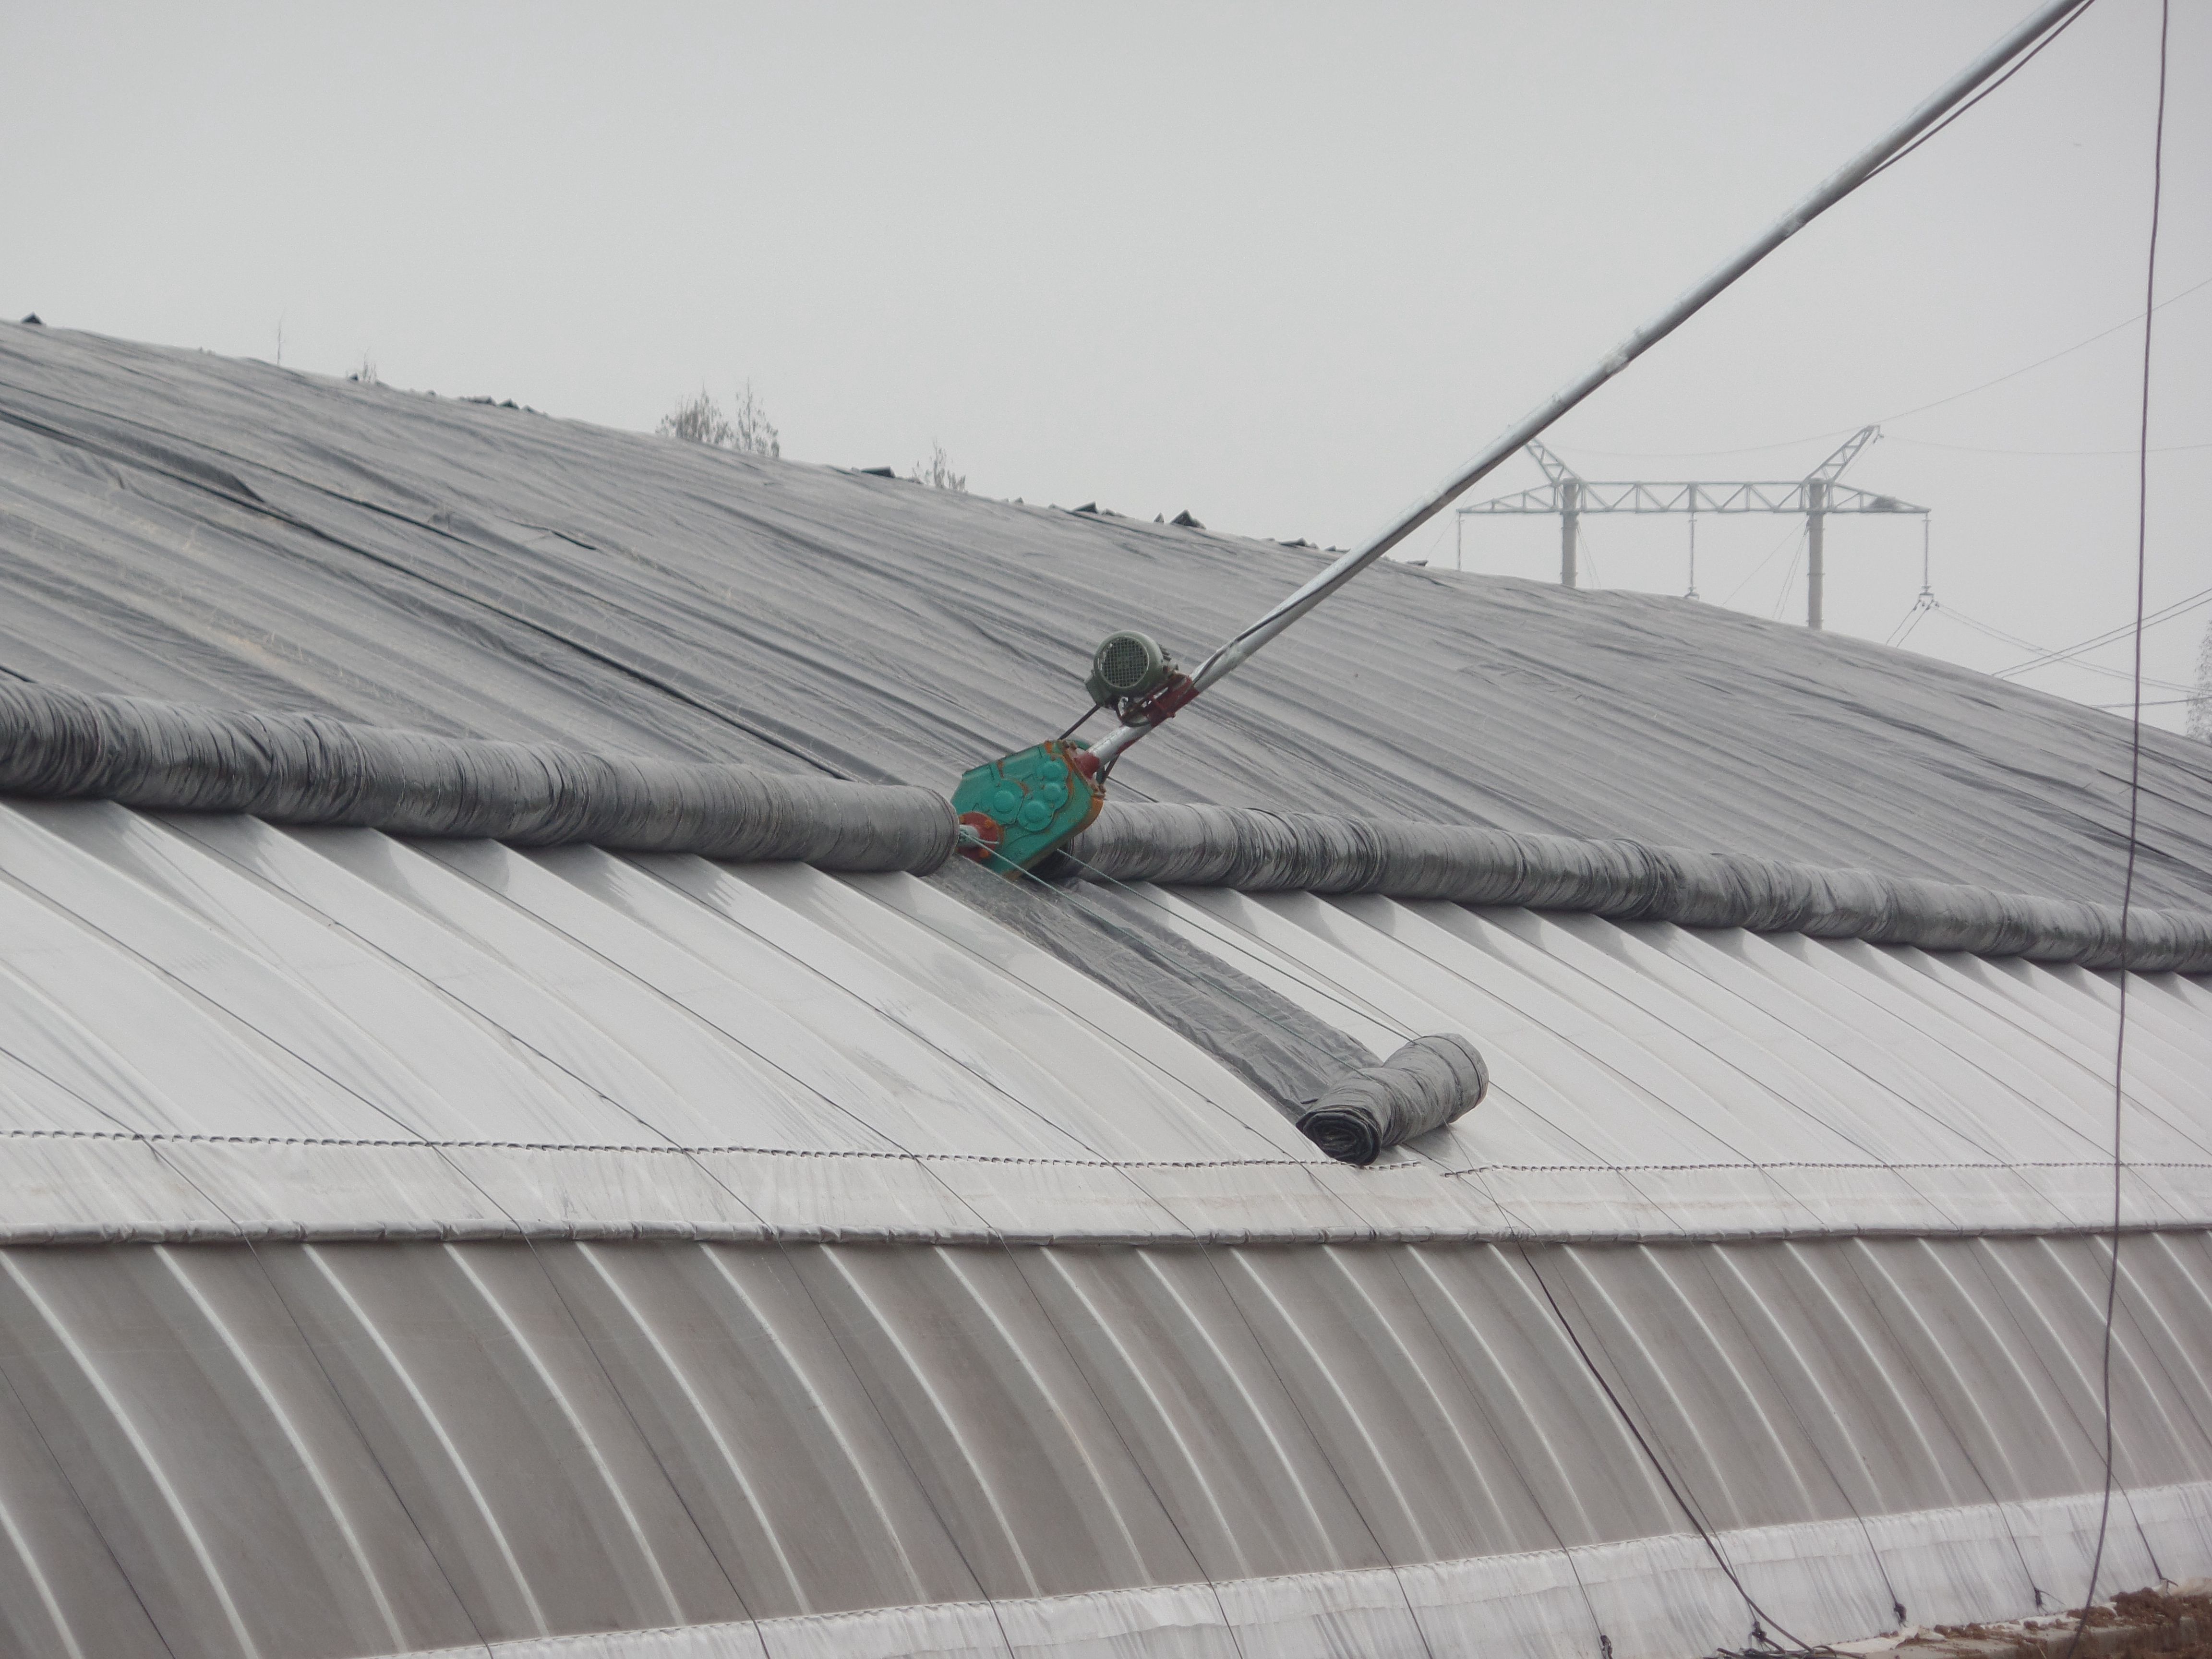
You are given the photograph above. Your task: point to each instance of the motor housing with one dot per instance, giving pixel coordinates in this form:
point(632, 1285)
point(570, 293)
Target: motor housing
point(1127, 667)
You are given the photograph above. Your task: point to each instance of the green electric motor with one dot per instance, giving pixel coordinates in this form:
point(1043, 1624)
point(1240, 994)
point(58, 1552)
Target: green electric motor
point(1127, 667)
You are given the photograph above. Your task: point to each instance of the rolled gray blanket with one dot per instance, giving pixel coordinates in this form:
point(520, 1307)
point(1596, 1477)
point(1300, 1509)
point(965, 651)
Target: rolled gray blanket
point(306, 769)
point(1255, 851)
point(1427, 1084)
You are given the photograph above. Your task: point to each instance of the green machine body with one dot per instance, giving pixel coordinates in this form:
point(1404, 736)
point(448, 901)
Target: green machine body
point(1018, 809)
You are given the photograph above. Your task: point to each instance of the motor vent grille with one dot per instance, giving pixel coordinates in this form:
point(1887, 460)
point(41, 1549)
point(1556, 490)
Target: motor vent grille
point(1127, 661)
point(1127, 664)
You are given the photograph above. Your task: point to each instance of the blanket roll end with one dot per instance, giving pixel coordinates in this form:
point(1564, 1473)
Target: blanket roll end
point(1431, 1082)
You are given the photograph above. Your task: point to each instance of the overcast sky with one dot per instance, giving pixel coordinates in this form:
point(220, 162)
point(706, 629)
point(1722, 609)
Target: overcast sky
point(1282, 266)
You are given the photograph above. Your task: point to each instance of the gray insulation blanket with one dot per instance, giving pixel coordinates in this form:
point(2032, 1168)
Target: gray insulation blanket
point(1259, 851)
point(1427, 1084)
point(426, 564)
point(1264, 1038)
point(306, 769)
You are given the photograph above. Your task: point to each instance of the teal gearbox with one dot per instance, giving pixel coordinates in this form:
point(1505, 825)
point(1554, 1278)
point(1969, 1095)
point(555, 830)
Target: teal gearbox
point(1022, 806)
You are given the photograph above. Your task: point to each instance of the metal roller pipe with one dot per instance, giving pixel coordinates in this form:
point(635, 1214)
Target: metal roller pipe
point(1234, 652)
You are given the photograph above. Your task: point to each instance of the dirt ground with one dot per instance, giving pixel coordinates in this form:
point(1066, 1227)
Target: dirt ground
point(2173, 1621)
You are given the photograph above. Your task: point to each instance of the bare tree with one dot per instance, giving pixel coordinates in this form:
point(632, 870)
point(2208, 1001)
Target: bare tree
point(2200, 700)
point(751, 433)
point(700, 420)
point(937, 472)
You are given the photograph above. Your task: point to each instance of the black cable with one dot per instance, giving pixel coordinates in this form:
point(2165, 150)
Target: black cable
point(69, 1482)
point(1705, 1259)
point(1918, 409)
point(2063, 24)
point(344, 1406)
point(1282, 1383)
point(2135, 807)
point(1759, 1614)
point(1849, 1254)
point(1503, 1440)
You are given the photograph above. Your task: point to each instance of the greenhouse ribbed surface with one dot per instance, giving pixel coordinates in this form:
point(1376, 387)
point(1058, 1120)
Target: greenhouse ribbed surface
point(424, 1243)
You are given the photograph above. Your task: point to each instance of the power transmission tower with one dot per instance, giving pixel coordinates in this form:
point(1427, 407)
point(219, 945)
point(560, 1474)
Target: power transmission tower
point(1816, 495)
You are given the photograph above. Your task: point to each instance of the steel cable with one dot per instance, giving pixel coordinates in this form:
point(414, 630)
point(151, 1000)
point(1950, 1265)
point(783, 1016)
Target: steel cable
point(2135, 807)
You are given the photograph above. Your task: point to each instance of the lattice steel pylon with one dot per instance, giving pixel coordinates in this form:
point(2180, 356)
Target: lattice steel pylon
point(1817, 494)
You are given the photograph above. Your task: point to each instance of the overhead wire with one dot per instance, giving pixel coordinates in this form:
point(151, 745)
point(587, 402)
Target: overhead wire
point(1795, 531)
point(2111, 635)
point(1926, 601)
point(2135, 811)
point(1788, 582)
point(1998, 633)
point(1902, 414)
point(1905, 629)
point(1983, 449)
point(1588, 553)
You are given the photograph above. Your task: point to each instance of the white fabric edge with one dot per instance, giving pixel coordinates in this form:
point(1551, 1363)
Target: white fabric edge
point(1654, 1598)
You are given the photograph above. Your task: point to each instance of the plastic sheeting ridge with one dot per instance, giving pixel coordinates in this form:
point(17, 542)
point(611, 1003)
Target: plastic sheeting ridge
point(1253, 850)
point(778, 1435)
point(311, 769)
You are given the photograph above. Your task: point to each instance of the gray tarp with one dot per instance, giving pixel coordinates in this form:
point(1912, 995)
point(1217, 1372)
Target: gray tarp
point(1263, 1036)
point(1429, 1083)
point(304, 769)
point(1294, 852)
point(173, 525)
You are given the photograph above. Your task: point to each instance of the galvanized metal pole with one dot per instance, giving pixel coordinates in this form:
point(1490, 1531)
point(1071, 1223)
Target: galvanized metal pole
point(1226, 659)
point(1571, 518)
point(1816, 524)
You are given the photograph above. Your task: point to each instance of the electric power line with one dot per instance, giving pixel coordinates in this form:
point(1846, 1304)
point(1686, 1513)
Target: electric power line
point(2135, 811)
point(2164, 613)
point(1983, 449)
point(1918, 408)
point(1999, 635)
